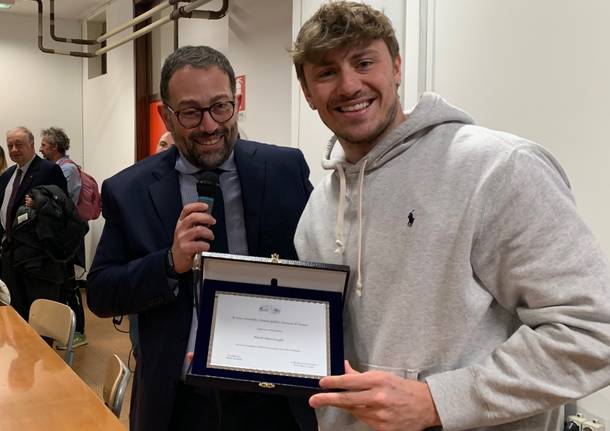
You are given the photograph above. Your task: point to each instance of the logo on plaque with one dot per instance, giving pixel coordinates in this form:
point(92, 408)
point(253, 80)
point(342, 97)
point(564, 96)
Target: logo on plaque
point(268, 308)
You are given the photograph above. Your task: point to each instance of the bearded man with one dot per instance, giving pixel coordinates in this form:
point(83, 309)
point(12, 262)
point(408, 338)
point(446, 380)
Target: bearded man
point(155, 226)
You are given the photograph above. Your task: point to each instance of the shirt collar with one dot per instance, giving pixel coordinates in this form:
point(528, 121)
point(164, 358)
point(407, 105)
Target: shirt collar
point(26, 166)
point(187, 168)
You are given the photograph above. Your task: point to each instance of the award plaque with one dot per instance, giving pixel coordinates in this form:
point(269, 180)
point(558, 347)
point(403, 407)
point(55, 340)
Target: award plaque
point(268, 324)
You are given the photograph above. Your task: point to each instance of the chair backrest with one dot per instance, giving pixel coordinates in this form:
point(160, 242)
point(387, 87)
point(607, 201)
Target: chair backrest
point(54, 320)
point(5, 295)
point(115, 384)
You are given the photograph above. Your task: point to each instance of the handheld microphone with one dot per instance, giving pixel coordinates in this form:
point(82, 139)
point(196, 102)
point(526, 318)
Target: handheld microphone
point(207, 187)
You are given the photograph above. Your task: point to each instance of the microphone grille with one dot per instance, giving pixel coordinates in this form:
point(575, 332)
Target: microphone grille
point(208, 183)
point(209, 177)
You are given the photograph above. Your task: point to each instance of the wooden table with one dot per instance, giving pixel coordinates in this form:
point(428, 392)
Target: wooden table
point(38, 391)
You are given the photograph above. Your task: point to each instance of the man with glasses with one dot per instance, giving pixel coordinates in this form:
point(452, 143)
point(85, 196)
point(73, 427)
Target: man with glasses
point(154, 227)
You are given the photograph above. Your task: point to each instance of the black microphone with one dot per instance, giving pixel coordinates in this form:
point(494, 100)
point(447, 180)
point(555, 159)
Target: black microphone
point(207, 187)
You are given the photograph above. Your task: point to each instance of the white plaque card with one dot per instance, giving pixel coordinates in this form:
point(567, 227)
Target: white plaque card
point(270, 335)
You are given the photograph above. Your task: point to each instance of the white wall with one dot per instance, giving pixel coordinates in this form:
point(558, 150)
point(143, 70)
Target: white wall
point(214, 33)
point(255, 36)
point(109, 112)
point(39, 90)
point(260, 34)
point(541, 70)
point(162, 45)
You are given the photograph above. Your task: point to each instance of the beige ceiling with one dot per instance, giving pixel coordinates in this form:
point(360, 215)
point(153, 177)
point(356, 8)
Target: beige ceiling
point(74, 9)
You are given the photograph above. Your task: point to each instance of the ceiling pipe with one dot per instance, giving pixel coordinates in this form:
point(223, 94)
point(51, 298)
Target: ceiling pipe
point(190, 12)
point(176, 31)
point(65, 39)
point(109, 34)
point(135, 35)
point(182, 13)
point(178, 12)
point(54, 51)
point(137, 20)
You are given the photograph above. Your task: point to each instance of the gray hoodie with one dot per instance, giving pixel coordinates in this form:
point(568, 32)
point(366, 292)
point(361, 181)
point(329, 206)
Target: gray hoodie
point(471, 270)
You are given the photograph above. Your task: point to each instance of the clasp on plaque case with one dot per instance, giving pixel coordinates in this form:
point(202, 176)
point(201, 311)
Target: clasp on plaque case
point(275, 258)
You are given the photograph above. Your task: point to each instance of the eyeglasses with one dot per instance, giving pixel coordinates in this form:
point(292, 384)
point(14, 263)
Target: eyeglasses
point(190, 118)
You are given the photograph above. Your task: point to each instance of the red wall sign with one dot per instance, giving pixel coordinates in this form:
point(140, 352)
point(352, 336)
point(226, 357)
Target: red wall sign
point(240, 89)
point(157, 127)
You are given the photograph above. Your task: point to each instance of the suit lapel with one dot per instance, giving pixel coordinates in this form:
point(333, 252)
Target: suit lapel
point(252, 174)
point(165, 192)
point(26, 183)
point(6, 176)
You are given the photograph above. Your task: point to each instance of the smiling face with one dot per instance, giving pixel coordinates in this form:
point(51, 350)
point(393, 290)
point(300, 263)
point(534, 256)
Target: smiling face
point(210, 144)
point(354, 90)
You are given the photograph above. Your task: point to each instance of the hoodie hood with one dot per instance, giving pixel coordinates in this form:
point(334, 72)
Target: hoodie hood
point(431, 110)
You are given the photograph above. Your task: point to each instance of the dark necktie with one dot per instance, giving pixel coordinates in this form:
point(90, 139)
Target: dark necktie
point(220, 243)
point(11, 201)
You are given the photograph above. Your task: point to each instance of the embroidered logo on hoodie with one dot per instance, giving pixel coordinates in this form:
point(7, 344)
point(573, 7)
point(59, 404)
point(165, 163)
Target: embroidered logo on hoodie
point(411, 218)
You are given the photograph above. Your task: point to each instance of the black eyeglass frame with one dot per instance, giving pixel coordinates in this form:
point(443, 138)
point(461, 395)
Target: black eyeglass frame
point(202, 111)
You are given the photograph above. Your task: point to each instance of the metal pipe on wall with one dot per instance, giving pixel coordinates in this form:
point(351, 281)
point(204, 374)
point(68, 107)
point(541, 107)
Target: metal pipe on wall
point(210, 14)
point(190, 12)
point(109, 34)
point(54, 51)
point(135, 35)
point(136, 20)
point(178, 12)
point(182, 13)
point(64, 39)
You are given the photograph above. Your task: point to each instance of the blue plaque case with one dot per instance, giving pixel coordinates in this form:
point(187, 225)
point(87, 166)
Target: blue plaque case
point(262, 277)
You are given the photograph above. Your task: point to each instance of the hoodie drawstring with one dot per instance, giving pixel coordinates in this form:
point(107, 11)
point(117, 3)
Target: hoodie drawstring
point(360, 199)
point(340, 212)
point(339, 234)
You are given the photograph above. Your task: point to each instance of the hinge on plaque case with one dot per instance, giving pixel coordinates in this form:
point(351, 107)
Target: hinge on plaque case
point(266, 385)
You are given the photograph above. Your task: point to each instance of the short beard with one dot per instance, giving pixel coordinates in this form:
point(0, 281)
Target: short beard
point(210, 161)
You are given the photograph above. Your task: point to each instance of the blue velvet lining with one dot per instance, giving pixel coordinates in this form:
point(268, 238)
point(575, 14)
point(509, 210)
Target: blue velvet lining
point(209, 290)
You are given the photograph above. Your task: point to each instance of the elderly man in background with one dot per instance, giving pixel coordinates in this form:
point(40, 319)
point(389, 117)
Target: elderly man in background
point(29, 171)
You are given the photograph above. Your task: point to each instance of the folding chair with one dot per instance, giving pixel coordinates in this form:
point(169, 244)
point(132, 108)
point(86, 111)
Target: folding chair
point(115, 384)
point(54, 320)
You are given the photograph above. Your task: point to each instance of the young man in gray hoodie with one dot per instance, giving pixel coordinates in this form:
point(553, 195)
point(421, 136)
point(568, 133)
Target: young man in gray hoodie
point(479, 297)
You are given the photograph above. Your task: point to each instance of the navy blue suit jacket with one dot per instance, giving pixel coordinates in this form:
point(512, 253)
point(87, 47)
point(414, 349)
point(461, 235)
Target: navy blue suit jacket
point(141, 206)
point(41, 172)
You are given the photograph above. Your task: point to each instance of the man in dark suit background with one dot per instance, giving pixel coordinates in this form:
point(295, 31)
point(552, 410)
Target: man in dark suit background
point(28, 172)
point(154, 227)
